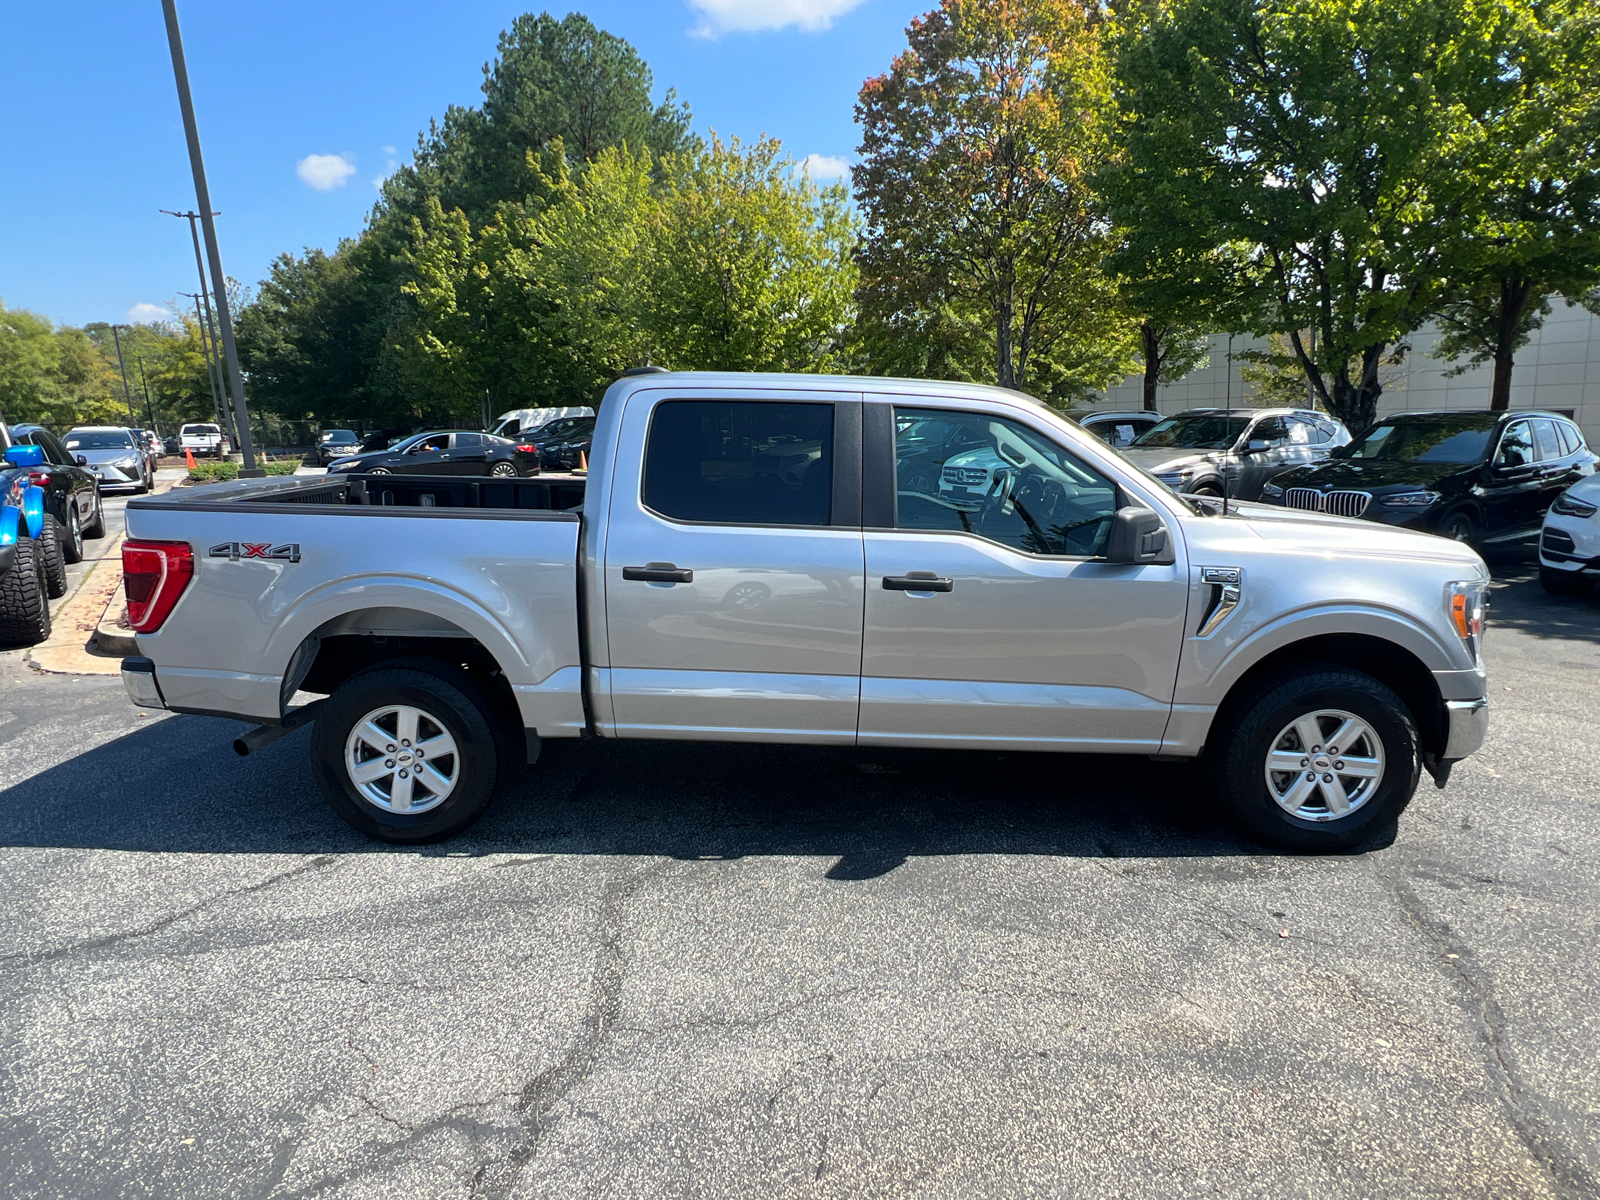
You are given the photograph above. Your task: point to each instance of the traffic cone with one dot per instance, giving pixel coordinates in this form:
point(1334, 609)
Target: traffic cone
point(188, 456)
point(583, 462)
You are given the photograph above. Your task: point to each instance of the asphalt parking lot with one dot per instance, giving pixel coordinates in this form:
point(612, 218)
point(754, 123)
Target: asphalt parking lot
point(740, 971)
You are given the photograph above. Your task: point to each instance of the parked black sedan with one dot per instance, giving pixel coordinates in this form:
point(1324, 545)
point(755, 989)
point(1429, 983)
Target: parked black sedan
point(71, 491)
point(1474, 476)
point(444, 452)
point(562, 444)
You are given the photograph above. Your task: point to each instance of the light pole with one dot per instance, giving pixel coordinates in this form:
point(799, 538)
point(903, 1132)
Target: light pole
point(208, 351)
point(127, 392)
point(208, 332)
point(149, 408)
point(219, 281)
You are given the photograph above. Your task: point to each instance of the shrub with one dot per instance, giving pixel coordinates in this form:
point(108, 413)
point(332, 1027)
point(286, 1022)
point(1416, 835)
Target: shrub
point(213, 472)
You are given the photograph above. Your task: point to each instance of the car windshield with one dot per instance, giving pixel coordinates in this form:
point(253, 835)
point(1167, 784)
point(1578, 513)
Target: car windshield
point(1460, 441)
point(99, 439)
point(339, 435)
point(1199, 432)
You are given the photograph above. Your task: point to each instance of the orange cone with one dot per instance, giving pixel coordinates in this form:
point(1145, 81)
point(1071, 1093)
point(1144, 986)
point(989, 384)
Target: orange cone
point(188, 455)
point(583, 462)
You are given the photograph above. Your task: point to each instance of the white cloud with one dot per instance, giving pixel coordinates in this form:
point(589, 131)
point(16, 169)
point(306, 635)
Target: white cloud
point(744, 16)
point(145, 313)
point(389, 150)
point(324, 171)
point(826, 166)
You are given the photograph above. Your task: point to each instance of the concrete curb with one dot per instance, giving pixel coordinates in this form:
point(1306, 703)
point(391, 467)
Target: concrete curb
point(68, 649)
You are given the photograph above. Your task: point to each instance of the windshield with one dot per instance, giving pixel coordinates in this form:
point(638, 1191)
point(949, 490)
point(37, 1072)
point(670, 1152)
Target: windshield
point(99, 439)
point(1460, 441)
point(1200, 432)
point(339, 435)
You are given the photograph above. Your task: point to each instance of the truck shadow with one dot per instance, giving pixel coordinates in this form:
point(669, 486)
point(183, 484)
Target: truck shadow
point(175, 787)
point(1516, 601)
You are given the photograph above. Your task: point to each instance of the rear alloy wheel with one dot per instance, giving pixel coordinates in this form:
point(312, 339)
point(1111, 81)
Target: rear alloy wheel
point(408, 752)
point(1317, 760)
point(1460, 527)
point(96, 529)
point(503, 469)
point(1565, 583)
point(55, 558)
point(24, 608)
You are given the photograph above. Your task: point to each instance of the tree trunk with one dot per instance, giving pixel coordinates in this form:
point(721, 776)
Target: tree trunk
point(1355, 401)
point(1005, 368)
point(1151, 337)
point(1513, 299)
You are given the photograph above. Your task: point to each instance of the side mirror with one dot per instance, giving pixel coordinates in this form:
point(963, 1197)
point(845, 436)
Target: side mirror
point(25, 456)
point(81, 459)
point(1138, 536)
point(1257, 446)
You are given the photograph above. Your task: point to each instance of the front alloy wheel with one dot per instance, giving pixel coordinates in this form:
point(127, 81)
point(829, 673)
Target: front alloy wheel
point(1324, 765)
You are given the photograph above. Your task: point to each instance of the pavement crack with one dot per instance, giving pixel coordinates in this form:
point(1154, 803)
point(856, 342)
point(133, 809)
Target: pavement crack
point(1521, 1101)
point(30, 957)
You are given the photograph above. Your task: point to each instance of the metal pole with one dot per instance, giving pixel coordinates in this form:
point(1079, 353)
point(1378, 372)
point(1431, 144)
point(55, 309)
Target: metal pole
point(127, 392)
point(219, 280)
point(206, 352)
point(207, 331)
point(149, 408)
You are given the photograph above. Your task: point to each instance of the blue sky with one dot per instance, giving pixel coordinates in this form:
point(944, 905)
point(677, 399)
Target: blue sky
point(93, 145)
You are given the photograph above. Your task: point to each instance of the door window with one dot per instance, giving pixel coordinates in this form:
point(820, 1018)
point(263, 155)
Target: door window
point(53, 449)
point(740, 462)
point(1571, 442)
point(1011, 486)
point(1544, 434)
point(1272, 430)
point(1516, 448)
point(440, 441)
point(1303, 432)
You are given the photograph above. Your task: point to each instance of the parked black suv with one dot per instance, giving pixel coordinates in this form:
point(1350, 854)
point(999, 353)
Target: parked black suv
point(71, 492)
point(1473, 476)
point(337, 443)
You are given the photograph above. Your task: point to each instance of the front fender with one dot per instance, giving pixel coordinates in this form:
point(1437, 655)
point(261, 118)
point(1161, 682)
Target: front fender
point(33, 509)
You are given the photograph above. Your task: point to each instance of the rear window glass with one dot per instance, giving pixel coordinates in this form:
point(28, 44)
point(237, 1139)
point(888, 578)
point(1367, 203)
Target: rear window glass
point(199, 430)
point(740, 462)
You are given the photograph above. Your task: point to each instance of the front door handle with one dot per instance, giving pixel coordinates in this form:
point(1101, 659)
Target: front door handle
point(918, 581)
point(658, 573)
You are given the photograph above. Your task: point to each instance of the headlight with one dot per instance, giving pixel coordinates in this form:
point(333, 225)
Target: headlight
point(128, 461)
point(1568, 506)
point(1271, 490)
point(1409, 499)
point(1467, 600)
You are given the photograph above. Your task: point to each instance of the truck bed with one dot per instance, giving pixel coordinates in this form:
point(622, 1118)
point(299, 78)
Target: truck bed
point(402, 491)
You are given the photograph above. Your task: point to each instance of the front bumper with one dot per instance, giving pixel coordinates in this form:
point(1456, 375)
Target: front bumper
point(139, 681)
point(1570, 543)
point(111, 476)
point(1467, 723)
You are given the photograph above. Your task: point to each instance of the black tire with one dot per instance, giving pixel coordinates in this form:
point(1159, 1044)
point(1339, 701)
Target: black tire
point(1564, 583)
point(1238, 757)
point(1208, 490)
point(451, 700)
point(54, 556)
point(72, 536)
point(96, 528)
point(1460, 526)
point(24, 610)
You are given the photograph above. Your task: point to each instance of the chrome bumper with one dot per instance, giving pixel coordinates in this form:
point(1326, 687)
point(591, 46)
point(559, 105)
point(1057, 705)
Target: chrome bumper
point(1468, 723)
point(139, 680)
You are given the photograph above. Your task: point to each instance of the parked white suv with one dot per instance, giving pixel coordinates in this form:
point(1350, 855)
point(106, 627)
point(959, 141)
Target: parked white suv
point(1569, 543)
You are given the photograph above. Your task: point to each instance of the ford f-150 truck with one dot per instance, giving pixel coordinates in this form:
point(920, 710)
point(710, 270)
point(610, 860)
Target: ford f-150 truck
point(776, 559)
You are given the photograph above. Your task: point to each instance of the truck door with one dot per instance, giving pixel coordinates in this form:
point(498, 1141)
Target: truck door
point(733, 567)
point(990, 618)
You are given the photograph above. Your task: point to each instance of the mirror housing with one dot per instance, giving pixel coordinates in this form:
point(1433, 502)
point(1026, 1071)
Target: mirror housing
point(1257, 446)
point(25, 456)
point(1139, 537)
point(81, 459)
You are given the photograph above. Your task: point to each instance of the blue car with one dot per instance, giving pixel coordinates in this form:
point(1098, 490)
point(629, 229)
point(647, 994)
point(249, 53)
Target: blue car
point(24, 561)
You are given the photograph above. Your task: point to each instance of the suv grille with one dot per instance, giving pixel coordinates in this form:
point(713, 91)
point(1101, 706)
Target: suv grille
point(1339, 504)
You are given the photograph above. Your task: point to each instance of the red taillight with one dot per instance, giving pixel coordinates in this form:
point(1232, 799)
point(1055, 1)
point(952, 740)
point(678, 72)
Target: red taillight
point(529, 449)
point(39, 478)
point(154, 575)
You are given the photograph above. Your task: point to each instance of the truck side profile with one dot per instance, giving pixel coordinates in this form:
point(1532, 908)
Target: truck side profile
point(813, 559)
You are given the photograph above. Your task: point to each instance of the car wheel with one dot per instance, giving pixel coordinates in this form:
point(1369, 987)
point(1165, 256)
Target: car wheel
point(1459, 526)
point(407, 752)
point(379, 471)
point(96, 528)
point(1208, 489)
point(72, 544)
point(54, 556)
point(24, 608)
point(1317, 760)
point(503, 469)
point(1564, 583)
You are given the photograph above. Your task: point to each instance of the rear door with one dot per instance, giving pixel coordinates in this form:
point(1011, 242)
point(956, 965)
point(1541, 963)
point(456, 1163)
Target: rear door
point(1558, 466)
point(733, 567)
point(1024, 636)
point(469, 455)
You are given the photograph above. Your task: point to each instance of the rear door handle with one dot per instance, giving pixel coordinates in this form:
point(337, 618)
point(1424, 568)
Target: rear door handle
point(918, 581)
point(658, 573)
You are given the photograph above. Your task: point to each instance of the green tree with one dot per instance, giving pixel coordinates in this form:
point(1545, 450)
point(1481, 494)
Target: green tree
point(50, 375)
point(1291, 156)
point(1529, 197)
point(977, 150)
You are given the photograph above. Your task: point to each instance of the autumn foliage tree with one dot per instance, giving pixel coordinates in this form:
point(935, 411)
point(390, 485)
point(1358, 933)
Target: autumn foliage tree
point(984, 246)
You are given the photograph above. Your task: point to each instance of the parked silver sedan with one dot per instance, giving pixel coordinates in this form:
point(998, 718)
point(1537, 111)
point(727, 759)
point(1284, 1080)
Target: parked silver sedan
point(111, 452)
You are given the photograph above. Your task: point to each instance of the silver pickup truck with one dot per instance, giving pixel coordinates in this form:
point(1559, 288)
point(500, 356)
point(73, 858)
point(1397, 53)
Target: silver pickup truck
point(812, 559)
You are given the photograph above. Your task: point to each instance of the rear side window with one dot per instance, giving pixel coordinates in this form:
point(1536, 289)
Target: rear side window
point(1544, 432)
point(740, 462)
point(1571, 439)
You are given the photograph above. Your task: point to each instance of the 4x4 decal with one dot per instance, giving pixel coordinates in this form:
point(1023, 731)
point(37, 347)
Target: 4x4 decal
point(234, 551)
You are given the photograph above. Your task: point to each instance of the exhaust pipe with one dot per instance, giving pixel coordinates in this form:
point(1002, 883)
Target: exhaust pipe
point(264, 735)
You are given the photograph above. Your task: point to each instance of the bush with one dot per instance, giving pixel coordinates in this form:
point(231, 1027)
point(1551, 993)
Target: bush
point(213, 472)
point(281, 468)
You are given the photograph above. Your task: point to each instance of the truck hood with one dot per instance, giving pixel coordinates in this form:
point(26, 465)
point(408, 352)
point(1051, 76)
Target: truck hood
point(1294, 531)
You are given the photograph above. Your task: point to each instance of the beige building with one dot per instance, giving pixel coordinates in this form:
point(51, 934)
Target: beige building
point(1559, 369)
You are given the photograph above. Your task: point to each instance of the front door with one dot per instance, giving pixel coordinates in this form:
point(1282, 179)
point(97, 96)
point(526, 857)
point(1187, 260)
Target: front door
point(431, 456)
point(1511, 495)
point(1023, 635)
point(733, 568)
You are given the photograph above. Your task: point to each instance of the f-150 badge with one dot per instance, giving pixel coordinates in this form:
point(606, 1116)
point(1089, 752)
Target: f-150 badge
point(234, 551)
